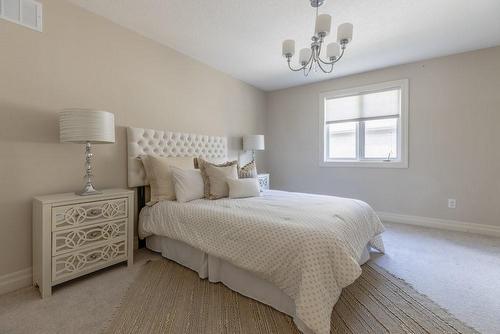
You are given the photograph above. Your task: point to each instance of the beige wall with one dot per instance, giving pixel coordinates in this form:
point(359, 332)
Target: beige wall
point(454, 141)
point(82, 60)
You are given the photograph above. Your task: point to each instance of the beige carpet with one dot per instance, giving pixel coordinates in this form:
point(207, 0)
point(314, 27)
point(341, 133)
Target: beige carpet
point(168, 298)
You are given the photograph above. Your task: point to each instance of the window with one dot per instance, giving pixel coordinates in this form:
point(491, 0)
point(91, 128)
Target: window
point(365, 126)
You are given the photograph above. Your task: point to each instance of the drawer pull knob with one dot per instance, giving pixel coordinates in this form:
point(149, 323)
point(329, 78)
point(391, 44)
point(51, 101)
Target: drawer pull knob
point(95, 212)
point(94, 234)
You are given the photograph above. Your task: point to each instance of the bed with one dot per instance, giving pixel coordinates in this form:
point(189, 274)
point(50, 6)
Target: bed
point(292, 251)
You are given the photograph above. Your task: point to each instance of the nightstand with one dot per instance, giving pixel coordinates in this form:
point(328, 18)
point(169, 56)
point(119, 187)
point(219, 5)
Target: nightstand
point(263, 181)
point(75, 235)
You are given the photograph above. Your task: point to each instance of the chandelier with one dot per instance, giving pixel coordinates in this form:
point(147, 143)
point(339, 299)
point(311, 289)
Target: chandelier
point(310, 58)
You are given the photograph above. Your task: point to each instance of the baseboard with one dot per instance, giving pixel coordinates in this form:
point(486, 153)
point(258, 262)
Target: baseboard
point(16, 280)
point(442, 224)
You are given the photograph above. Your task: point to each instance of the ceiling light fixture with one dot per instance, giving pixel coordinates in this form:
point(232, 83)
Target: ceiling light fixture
point(310, 58)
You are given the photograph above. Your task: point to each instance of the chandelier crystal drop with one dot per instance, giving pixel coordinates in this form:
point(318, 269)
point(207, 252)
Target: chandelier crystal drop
point(310, 58)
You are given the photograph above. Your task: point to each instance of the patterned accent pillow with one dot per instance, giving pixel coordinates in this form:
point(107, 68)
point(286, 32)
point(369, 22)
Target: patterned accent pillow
point(248, 171)
point(216, 174)
point(217, 161)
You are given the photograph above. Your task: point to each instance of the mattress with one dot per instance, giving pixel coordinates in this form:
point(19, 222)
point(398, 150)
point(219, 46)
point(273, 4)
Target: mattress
point(308, 246)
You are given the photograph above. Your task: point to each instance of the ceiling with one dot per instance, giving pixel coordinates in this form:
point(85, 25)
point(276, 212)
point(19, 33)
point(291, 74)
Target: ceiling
point(243, 37)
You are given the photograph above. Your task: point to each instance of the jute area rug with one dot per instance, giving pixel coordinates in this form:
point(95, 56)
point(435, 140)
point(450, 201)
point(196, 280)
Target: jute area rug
point(169, 298)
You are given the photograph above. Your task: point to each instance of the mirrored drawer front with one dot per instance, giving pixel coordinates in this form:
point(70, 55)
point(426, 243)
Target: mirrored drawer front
point(76, 215)
point(69, 240)
point(72, 263)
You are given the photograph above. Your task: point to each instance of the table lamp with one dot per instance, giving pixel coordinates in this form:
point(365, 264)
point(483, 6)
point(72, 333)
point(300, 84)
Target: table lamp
point(253, 143)
point(87, 127)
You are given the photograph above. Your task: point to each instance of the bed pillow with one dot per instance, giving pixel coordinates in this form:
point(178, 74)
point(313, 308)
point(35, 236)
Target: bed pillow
point(215, 161)
point(248, 171)
point(162, 186)
point(188, 184)
point(150, 176)
point(242, 188)
point(214, 177)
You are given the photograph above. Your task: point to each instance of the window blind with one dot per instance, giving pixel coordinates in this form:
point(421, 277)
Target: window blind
point(365, 106)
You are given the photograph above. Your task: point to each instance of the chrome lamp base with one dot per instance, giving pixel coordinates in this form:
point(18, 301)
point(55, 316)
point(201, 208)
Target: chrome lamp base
point(88, 188)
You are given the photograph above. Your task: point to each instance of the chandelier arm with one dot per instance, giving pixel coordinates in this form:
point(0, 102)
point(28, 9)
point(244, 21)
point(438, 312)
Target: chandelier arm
point(311, 58)
point(307, 68)
point(326, 62)
point(341, 55)
point(311, 63)
point(319, 47)
point(316, 53)
point(294, 69)
point(324, 70)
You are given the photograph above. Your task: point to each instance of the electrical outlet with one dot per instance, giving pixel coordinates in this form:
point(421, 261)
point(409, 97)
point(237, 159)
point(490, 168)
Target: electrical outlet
point(452, 203)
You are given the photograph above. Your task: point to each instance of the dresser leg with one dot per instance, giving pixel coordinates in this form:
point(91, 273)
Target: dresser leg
point(45, 291)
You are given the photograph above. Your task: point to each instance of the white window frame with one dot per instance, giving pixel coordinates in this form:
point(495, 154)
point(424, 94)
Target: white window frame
point(401, 161)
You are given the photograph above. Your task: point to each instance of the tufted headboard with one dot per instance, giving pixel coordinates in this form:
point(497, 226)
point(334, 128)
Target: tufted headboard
point(168, 144)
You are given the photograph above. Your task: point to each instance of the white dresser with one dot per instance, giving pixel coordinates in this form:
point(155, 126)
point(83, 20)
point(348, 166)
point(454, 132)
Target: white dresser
point(74, 235)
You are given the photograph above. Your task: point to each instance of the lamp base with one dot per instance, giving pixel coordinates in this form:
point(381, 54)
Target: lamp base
point(89, 190)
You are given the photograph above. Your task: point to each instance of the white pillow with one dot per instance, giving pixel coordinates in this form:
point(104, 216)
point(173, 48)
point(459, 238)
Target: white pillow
point(162, 186)
point(241, 188)
point(188, 184)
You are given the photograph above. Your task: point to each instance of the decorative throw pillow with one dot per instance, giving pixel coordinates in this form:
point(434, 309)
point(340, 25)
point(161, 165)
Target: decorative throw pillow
point(214, 177)
point(162, 186)
point(241, 188)
point(188, 184)
point(248, 171)
point(216, 161)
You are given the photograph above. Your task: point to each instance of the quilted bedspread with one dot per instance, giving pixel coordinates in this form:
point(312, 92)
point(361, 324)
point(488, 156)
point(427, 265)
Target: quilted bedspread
point(307, 245)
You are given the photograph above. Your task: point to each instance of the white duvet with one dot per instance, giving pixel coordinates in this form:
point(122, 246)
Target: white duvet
point(307, 245)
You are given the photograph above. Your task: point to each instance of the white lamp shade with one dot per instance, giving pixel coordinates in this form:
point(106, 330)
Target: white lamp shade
point(288, 48)
point(333, 50)
point(304, 56)
point(323, 24)
point(82, 126)
point(344, 32)
point(253, 142)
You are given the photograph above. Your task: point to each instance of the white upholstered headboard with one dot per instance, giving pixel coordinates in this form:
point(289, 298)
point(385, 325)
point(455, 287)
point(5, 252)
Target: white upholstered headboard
point(168, 144)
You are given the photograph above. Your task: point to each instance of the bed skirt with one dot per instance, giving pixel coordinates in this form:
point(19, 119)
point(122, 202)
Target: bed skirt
point(239, 280)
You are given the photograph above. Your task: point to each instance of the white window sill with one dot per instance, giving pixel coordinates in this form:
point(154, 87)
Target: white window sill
point(366, 164)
